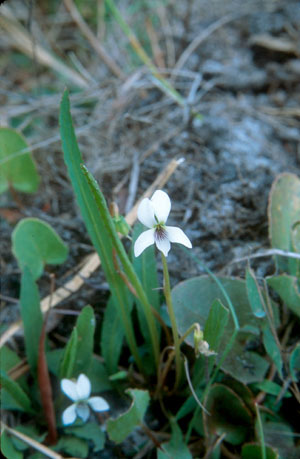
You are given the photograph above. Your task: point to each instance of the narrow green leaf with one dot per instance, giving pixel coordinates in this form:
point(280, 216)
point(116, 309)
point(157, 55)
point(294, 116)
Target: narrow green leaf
point(96, 226)
point(118, 429)
point(8, 358)
point(69, 356)
point(272, 349)
point(255, 298)
point(8, 449)
point(17, 167)
point(112, 335)
point(295, 362)
point(31, 316)
point(85, 326)
point(20, 397)
point(271, 388)
point(176, 447)
point(36, 244)
point(253, 451)
point(288, 290)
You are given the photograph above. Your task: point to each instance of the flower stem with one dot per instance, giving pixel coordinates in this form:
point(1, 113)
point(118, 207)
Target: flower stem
point(168, 297)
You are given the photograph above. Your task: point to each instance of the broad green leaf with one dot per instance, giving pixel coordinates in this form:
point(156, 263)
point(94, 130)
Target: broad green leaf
point(36, 244)
point(100, 233)
point(145, 267)
point(283, 212)
point(254, 294)
point(76, 447)
point(112, 335)
point(228, 414)
point(13, 388)
point(85, 326)
point(16, 169)
point(69, 356)
point(288, 290)
point(54, 359)
point(90, 431)
point(253, 451)
point(192, 301)
point(272, 349)
point(215, 324)
point(176, 447)
point(118, 429)
point(295, 362)
point(8, 449)
point(32, 317)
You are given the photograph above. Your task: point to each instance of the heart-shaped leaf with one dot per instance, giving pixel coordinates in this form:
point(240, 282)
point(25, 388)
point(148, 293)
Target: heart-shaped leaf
point(118, 429)
point(283, 212)
point(36, 244)
point(17, 168)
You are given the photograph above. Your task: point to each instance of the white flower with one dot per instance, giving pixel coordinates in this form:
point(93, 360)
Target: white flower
point(153, 213)
point(80, 392)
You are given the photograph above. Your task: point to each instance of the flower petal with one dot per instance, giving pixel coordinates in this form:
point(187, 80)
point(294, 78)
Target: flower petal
point(83, 387)
point(177, 235)
point(83, 411)
point(98, 404)
point(143, 241)
point(162, 205)
point(163, 244)
point(69, 415)
point(70, 389)
point(145, 213)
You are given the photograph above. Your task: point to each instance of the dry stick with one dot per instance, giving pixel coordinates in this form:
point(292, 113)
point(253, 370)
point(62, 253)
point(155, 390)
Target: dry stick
point(33, 443)
point(94, 41)
point(21, 39)
point(268, 253)
point(92, 261)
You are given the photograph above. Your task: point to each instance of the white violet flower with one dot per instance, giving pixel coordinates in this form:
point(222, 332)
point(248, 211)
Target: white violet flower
point(79, 392)
point(153, 213)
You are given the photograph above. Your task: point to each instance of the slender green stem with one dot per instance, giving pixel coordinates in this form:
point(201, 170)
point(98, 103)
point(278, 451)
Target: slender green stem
point(168, 297)
point(261, 433)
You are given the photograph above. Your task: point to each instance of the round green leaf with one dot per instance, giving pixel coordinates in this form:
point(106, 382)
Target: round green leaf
point(192, 301)
point(16, 169)
point(228, 414)
point(36, 244)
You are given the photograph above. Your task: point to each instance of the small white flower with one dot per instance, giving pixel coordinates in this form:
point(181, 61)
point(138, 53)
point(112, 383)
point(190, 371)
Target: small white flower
point(153, 213)
point(79, 392)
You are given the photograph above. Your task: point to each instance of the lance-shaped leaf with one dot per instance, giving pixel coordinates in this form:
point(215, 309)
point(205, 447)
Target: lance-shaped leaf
point(17, 168)
point(254, 294)
point(16, 392)
point(97, 227)
point(119, 429)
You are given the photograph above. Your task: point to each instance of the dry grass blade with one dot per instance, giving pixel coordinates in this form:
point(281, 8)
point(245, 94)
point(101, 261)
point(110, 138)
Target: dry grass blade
point(33, 443)
point(92, 262)
point(94, 41)
point(21, 39)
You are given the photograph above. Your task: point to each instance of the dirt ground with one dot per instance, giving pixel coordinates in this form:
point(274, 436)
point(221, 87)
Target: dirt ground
point(243, 77)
